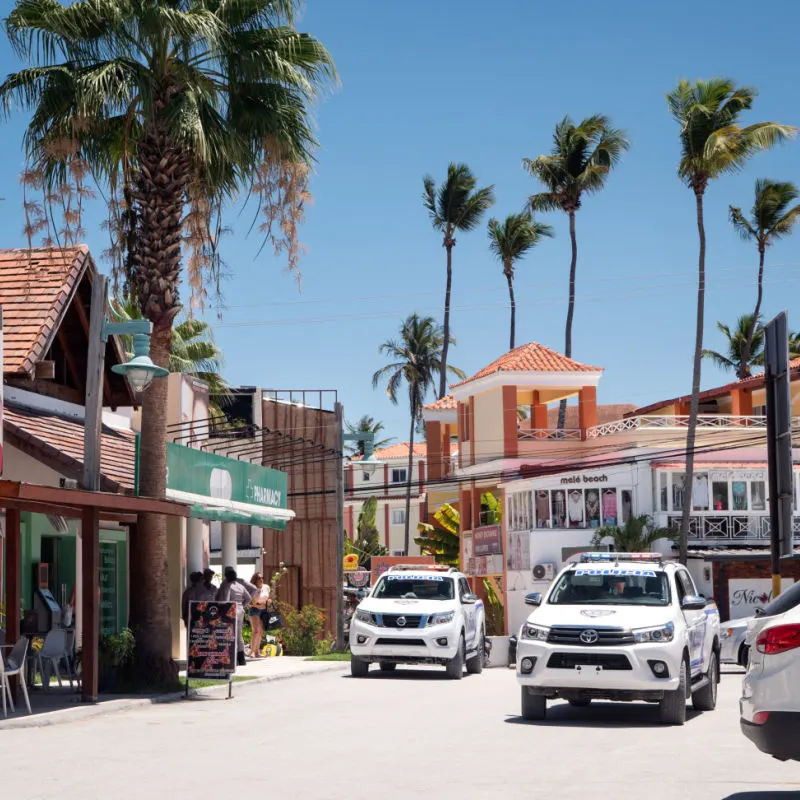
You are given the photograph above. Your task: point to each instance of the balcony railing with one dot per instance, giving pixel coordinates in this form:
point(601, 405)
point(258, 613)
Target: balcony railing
point(729, 527)
point(678, 422)
point(549, 434)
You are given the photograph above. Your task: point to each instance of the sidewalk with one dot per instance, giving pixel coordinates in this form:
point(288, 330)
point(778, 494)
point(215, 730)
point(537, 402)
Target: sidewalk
point(62, 705)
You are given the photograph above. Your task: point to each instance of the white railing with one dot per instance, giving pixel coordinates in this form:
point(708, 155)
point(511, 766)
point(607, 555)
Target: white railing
point(731, 526)
point(676, 422)
point(549, 434)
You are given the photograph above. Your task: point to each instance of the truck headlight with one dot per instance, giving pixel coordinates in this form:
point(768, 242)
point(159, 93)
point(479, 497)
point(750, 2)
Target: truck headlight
point(661, 633)
point(536, 632)
point(441, 619)
point(364, 616)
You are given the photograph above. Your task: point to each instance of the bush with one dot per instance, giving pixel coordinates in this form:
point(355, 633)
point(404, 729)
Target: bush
point(301, 634)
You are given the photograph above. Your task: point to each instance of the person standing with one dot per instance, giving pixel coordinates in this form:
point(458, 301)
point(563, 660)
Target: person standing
point(258, 605)
point(240, 592)
point(209, 588)
point(190, 593)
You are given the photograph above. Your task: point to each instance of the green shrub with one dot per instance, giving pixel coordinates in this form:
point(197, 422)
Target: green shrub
point(302, 630)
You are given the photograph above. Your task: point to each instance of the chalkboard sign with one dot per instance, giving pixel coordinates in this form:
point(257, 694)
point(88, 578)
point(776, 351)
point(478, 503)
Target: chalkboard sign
point(211, 640)
point(108, 588)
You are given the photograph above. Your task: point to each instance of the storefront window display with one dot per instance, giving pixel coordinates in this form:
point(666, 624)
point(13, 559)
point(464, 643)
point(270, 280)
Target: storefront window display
point(592, 508)
point(574, 507)
point(520, 511)
point(609, 506)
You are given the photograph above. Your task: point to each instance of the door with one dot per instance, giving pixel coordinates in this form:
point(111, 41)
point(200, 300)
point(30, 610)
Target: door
point(470, 615)
point(695, 622)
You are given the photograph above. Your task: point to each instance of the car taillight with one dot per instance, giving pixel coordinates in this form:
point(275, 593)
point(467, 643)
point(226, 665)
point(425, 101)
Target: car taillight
point(778, 639)
point(760, 717)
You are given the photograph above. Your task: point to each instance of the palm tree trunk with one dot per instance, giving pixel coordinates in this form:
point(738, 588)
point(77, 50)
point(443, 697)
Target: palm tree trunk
point(562, 408)
point(743, 367)
point(695, 401)
point(510, 280)
point(413, 404)
point(446, 326)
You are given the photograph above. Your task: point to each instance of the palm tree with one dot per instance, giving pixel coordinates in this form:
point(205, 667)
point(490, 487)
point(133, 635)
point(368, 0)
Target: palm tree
point(367, 424)
point(637, 535)
point(416, 360)
point(713, 144)
point(442, 539)
point(510, 241)
point(739, 358)
point(770, 218)
point(176, 109)
point(455, 206)
point(579, 163)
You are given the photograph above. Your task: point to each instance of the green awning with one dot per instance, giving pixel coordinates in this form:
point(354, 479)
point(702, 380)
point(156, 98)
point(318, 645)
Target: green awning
point(240, 517)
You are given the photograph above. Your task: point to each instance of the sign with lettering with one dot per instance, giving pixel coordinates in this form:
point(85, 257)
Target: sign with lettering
point(108, 588)
point(584, 479)
point(211, 640)
point(380, 564)
point(745, 595)
point(487, 540)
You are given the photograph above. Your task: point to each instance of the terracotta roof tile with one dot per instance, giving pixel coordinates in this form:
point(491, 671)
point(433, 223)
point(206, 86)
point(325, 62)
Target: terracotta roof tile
point(531, 357)
point(60, 440)
point(447, 403)
point(35, 289)
point(605, 413)
point(399, 450)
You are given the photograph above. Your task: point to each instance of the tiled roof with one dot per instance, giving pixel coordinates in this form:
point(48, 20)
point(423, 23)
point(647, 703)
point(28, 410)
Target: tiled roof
point(605, 413)
point(712, 465)
point(531, 357)
point(447, 403)
point(59, 441)
point(399, 450)
point(35, 289)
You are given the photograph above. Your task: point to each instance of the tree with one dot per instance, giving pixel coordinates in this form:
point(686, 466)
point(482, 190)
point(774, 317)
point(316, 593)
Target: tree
point(455, 206)
point(176, 107)
point(442, 539)
point(367, 424)
point(578, 164)
point(366, 539)
point(738, 357)
point(771, 218)
point(635, 536)
point(713, 144)
point(417, 362)
point(510, 241)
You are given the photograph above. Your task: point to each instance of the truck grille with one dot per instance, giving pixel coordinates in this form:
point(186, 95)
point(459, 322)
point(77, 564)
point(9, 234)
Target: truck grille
point(390, 620)
point(604, 660)
point(401, 642)
point(571, 634)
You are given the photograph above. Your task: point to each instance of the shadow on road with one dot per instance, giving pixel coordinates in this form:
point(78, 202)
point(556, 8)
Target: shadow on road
point(770, 795)
point(600, 715)
point(406, 675)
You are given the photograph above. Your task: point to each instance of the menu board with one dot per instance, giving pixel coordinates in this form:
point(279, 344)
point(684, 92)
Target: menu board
point(108, 588)
point(212, 639)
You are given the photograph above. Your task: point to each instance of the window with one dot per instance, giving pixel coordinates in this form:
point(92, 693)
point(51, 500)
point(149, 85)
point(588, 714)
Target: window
point(399, 475)
point(662, 491)
point(415, 587)
point(398, 516)
point(700, 496)
point(364, 475)
point(685, 584)
point(739, 495)
point(678, 490)
point(520, 512)
point(719, 495)
point(244, 537)
point(758, 495)
point(582, 586)
point(463, 587)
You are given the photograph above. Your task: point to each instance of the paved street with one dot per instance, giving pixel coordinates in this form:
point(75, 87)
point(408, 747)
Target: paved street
point(329, 736)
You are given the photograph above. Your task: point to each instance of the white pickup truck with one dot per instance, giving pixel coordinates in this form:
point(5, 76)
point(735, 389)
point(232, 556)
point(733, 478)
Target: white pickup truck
point(419, 614)
point(620, 626)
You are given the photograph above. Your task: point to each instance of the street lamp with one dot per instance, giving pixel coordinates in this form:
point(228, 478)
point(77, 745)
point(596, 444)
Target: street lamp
point(140, 370)
point(368, 463)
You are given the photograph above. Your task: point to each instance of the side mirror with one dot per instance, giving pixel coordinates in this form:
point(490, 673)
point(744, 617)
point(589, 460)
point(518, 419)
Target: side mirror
point(758, 612)
point(693, 603)
point(533, 599)
point(469, 599)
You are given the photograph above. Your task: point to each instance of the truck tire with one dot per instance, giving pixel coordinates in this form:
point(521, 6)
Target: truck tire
point(744, 655)
point(475, 664)
point(705, 698)
point(358, 667)
point(387, 667)
point(534, 706)
point(672, 708)
point(455, 666)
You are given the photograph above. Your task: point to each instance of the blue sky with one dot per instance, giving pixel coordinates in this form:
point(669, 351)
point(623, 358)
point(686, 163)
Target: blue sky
point(426, 82)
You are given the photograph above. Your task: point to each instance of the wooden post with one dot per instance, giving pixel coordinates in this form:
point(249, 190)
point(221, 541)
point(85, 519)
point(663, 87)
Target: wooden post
point(13, 574)
point(90, 558)
point(95, 369)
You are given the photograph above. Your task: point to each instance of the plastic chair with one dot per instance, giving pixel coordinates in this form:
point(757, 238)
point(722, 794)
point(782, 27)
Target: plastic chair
point(53, 650)
point(14, 665)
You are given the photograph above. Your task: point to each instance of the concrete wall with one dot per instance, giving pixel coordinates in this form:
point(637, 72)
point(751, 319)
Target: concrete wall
point(488, 426)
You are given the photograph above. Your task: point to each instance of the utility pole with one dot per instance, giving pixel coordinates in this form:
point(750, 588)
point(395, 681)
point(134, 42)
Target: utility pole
point(95, 370)
point(339, 411)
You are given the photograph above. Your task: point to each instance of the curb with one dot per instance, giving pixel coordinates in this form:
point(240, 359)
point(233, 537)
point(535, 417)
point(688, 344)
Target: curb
point(80, 712)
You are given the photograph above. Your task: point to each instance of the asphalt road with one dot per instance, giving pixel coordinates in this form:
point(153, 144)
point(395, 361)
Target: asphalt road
point(330, 736)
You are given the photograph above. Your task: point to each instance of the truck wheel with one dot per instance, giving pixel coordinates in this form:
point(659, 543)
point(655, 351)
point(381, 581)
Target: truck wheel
point(705, 698)
point(744, 655)
point(387, 667)
point(455, 666)
point(672, 708)
point(475, 664)
point(534, 706)
point(358, 667)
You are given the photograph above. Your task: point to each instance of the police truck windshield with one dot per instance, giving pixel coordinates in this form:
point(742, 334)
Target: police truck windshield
point(414, 587)
point(604, 586)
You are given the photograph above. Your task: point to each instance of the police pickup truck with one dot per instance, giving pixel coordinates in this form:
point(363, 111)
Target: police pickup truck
point(620, 626)
point(419, 614)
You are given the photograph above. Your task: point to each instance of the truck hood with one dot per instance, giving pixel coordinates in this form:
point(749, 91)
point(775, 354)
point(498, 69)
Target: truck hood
point(400, 606)
point(602, 616)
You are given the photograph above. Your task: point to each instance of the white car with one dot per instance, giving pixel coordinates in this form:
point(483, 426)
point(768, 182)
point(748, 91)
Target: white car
point(734, 647)
point(620, 626)
point(419, 615)
point(770, 702)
